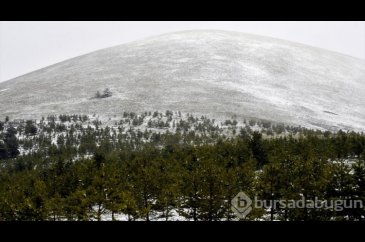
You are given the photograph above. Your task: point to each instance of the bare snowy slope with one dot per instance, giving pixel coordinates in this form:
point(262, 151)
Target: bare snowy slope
point(216, 73)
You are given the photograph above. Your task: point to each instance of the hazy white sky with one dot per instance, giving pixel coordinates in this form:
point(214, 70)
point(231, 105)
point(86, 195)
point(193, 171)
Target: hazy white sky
point(28, 46)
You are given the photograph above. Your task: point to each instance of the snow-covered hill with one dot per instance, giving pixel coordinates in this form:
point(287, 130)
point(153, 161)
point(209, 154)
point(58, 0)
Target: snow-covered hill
point(213, 73)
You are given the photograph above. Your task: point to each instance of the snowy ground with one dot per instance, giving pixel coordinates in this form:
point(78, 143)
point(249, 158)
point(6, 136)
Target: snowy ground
point(213, 73)
point(174, 216)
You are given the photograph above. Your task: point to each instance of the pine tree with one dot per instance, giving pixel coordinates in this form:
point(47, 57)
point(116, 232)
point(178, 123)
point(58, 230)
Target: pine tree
point(107, 93)
point(269, 186)
point(258, 149)
point(237, 178)
point(191, 199)
point(359, 191)
point(30, 128)
point(11, 142)
point(211, 205)
point(311, 180)
point(3, 151)
point(55, 207)
point(341, 186)
point(169, 187)
point(98, 95)
point(77, 205)
point(144, 183)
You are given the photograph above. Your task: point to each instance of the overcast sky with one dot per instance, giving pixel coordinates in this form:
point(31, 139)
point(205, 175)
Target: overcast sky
point(28, 46)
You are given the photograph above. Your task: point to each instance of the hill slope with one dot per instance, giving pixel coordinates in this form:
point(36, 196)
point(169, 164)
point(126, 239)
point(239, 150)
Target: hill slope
point(215, 73)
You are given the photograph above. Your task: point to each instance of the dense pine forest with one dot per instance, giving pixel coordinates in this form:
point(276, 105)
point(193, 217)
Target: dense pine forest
point(173, 166)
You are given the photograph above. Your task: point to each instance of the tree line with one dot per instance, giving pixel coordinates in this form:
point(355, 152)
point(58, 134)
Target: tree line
point(181, 173)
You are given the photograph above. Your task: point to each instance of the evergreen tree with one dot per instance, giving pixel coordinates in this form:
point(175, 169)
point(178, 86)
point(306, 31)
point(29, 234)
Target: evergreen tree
point(97, 94)
point(312, 177)
point(30, 128)
point(258, 149)
point(191, 199)
point(77, 205)
point(359, 191)
point(11, 142)
point(169, 187)
point(3, 151)
point(211, 204)
point(144, 182)
point(269, 186)
point(107, 93)
point(341, 186)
